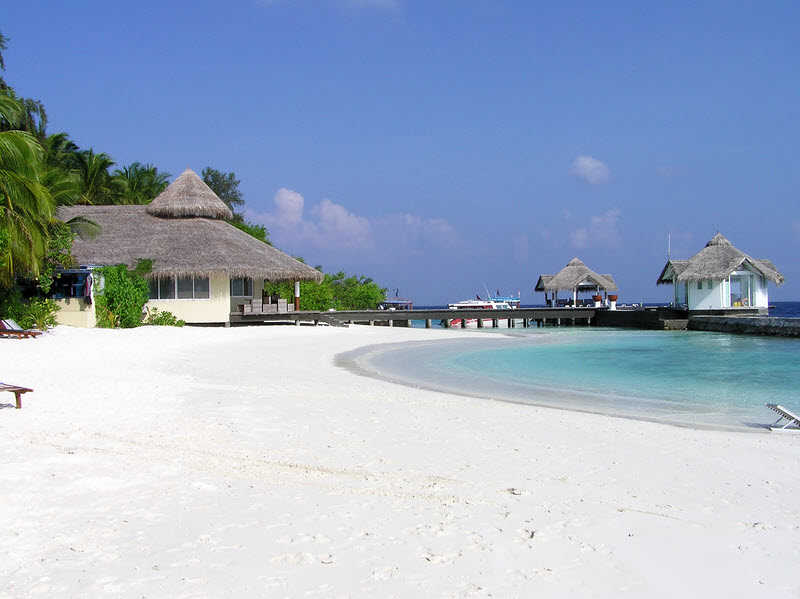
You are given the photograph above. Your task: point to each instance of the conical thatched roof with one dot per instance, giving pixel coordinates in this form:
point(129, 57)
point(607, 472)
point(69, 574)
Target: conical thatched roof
point(180, 246)
point(715, 262)
point(188, 195)
point(575, 275)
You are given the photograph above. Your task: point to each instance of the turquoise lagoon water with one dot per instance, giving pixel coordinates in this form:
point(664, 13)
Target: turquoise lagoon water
point(682, 377)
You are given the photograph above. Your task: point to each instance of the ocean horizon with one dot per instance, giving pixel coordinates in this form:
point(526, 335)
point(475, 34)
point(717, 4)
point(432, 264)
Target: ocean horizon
point(785, 309)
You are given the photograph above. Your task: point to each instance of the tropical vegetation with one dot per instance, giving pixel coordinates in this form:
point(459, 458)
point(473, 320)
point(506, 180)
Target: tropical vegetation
point(336, 292)
point(41, 171)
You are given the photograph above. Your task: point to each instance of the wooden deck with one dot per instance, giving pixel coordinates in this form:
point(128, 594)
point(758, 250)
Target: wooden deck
point(524, 317)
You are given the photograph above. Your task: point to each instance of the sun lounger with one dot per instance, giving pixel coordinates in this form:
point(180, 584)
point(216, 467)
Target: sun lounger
point(17, 391)
point(785, 414)
point(9, 328)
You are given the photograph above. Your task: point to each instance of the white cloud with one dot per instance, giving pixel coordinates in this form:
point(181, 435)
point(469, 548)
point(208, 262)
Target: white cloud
point(336, 224)
point(411, 230)
point(601, 232)
point(590, 170)
point(579, 237)
point(289, 206)
point(333, 228)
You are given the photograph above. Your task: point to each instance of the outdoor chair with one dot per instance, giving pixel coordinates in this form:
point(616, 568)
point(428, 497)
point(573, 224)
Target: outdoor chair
point(17, 391)
point(784, 414)
point(9, 328)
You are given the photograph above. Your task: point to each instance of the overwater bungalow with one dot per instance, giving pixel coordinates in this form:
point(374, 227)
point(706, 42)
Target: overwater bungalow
point(203, 268)
point(576, 278)
point(720, 278)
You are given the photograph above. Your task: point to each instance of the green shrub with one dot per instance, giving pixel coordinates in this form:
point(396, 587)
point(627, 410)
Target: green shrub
point(40, 314)
point(123, 296)
point(11, 303)
point(338, 291)
point(37, 312)
point(164, 319)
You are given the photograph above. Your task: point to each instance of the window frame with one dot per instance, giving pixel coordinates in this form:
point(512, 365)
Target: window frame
point(158, 282)
point(247, 284)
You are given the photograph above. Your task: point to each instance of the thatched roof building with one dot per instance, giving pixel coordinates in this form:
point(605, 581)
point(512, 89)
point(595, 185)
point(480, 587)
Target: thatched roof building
point(203, 268)
point(720, 277)
point(179, 247)
point(180, 231)
point(715, 262)
point(575, 275)
point(188, 195)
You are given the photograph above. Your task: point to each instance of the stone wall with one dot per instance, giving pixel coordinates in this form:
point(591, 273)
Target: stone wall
point(747, 325)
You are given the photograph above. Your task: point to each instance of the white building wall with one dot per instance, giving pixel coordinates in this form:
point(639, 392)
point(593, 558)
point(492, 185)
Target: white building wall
point(707, 298)
point(75, 312)
point(761, 292)
point(216, 309)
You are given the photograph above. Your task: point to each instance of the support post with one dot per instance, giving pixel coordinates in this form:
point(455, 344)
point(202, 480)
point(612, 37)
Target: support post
point(427, 323)
point(297, 296)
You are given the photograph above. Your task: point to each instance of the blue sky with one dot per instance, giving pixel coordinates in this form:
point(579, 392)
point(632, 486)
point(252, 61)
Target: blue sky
point(434, 145)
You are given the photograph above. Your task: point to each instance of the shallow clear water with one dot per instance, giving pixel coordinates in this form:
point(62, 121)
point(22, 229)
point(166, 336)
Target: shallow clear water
point(695, 378)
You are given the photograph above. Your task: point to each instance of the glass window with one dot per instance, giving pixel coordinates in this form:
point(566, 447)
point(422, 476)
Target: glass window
point(185, 288)
point(201, 288)
point(166, 288)
point(153, 283)
point(241, 287)
point(699, 284)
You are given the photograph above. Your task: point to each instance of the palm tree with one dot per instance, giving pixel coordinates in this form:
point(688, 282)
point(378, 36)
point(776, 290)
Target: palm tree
point(96, 185)
point(140, 183)
point(26, 206)
point(60, 150)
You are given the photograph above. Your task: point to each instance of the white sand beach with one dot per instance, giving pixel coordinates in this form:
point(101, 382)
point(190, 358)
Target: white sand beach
point(241, 462)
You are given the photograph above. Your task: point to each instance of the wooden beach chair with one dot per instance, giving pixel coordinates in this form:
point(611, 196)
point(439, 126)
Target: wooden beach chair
point(784, 414)
point(17, 391)
point(9, 328)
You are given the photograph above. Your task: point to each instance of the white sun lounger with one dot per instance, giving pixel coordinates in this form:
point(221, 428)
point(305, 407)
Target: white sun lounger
point(784, 413)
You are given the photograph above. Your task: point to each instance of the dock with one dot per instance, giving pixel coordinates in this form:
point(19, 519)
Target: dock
point(748, 322)
point(524, 317)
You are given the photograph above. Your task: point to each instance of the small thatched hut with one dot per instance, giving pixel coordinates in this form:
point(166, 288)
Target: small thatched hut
point(577, 278)
point(720, 277)
point(203, 267)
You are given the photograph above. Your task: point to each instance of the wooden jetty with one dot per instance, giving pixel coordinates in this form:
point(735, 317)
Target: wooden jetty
point(653, 318)
point(524, 317)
